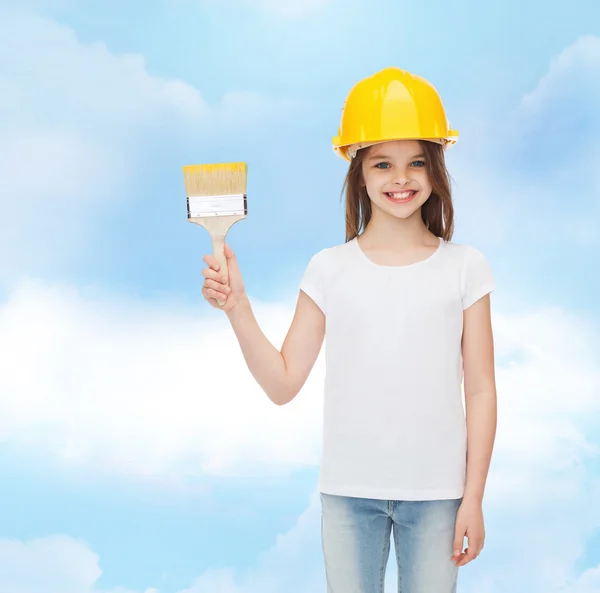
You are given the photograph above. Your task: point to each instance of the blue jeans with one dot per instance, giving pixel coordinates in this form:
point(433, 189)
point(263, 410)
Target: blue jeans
point(356, 544)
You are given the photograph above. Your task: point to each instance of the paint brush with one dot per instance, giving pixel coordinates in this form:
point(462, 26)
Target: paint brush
point(216, 199)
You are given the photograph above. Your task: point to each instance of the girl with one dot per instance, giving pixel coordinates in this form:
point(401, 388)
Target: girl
point(407, 313)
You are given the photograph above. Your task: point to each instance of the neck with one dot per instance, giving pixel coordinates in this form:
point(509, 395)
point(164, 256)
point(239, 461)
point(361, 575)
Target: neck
point(396, 233)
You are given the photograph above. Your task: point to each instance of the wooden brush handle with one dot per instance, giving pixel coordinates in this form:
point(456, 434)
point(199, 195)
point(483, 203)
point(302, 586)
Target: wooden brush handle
point(219, 255)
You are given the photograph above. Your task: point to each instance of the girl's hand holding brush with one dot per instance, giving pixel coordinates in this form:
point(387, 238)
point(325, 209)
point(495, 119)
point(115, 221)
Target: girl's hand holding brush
point(218, 287)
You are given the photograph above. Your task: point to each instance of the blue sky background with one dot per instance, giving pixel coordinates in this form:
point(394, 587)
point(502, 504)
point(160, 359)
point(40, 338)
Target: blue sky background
point(136, 453)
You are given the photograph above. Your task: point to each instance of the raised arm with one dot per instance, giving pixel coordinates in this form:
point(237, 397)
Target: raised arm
point(281, 374)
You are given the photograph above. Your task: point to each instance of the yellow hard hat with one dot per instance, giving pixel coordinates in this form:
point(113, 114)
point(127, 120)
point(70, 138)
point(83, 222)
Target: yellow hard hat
point(392, 104)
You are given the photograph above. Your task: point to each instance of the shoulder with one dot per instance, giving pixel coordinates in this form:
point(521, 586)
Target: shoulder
point(323, 266)
point(327, 265)
point(462, 250)
point(336, 253)
point(464, 254)
point(476, 278)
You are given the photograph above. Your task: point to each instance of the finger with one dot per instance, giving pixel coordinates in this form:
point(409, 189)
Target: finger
point(461, 561)
point(458, 544)
point(231, 259)
point(468, 556)
point(211, 302)
point(211, 261)
point(210, 273)
point(217, 286)
point(207, 294)
point(228, 251)
point(215, 294)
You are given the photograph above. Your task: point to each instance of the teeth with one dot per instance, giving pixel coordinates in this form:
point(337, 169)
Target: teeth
point(401, 195)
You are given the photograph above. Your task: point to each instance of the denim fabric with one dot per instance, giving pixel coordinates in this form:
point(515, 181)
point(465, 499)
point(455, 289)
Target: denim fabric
point(356, 544)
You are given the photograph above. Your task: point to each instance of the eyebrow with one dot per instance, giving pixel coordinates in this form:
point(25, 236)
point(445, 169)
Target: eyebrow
point(383, 156)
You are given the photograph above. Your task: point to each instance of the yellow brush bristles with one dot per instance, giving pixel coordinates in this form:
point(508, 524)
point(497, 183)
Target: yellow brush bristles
point(222, 179)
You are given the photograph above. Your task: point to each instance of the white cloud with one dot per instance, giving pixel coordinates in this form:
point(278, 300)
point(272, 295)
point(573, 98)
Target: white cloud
point(588, 582)
point(578, 64)
point(558, 119)
point(57, 564)
point(61, 564)
point(149, 389)
point(85, 79)
point(278, 568)
point(513, 169)
point(72, 118)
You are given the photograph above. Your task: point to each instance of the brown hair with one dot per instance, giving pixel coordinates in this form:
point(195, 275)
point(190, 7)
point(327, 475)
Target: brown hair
point(437, 212)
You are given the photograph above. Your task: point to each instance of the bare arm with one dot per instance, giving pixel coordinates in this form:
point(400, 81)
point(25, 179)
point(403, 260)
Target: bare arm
point(281, 375)
point(480, 395)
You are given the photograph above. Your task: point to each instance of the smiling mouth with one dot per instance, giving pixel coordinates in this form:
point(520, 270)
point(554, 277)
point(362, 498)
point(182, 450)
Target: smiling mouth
point(401, 196)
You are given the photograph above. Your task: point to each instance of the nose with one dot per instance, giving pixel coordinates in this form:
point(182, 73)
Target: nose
point(402, 178)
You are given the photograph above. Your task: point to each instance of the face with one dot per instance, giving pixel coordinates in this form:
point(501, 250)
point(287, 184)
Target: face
point(396, 178)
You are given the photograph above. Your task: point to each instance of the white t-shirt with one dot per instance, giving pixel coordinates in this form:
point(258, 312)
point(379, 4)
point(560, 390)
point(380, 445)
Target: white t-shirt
point(394, 424)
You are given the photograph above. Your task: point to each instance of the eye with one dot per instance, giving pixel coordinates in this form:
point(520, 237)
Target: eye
point(418, 163)
point(378, 167)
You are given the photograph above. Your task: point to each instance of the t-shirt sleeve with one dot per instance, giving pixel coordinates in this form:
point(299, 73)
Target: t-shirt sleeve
point(477, 277)
point(313, 280)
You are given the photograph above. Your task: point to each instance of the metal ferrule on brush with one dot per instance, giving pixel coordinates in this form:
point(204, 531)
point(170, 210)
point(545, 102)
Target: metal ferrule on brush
point(231, 205)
